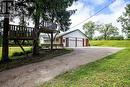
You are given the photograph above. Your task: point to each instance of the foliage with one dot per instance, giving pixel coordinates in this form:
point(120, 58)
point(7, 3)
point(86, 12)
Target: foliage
point(125, 21)
point(21, 53)
point(41, 11)
point(53, 11)
point(116, 37)
point(21, 13)
point(89, 29)
point(108, 30)
point(119, 37)
point(98, 37)
point(111, 71)
point(110, 43)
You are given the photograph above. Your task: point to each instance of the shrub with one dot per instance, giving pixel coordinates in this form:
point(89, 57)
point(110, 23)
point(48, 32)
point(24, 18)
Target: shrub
point(116, 38)
point(110, 38)
point(98, 38)
point(21, 53)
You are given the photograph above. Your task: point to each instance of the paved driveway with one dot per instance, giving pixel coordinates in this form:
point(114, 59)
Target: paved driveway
point(36, 73)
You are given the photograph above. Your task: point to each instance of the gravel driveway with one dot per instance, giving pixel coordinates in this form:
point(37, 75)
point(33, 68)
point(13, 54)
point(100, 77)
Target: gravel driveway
point(33, 74)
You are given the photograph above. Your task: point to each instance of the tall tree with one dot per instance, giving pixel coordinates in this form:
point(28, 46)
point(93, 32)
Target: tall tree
point(89, 29)
point(108, 30)
point(124, 19)
point(53, 11)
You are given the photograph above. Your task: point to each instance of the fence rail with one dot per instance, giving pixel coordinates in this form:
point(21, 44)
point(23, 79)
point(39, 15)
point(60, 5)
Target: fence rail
point(28, 33)
point(21, 32)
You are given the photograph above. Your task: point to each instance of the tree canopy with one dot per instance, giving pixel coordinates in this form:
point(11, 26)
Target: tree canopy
point(53, 11)
point(124, 19)
point(89, 29)
point(40, 11)
point(108, 30)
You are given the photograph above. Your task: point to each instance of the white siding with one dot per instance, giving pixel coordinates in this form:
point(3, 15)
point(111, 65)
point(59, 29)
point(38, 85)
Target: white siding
point(41, 40)
point(72, 42)
point(72, 39)
point(79, 42)
point(77, 34)
point(64, 42)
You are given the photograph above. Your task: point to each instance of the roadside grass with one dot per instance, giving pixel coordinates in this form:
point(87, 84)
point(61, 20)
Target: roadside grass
point(110, 43)
point(14, 50)
point(111, 71)
point(24, 60)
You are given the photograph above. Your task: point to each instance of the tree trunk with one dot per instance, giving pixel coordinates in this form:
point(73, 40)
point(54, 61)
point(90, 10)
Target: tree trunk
point(36, 35)
point(5, 47)
point(51, 41)
point(35, 47)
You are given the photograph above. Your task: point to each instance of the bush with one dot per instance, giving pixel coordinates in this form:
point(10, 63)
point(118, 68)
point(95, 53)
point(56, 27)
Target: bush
point(21, 53)
point(110, 38)
point(116, 38)
point(98, 38)
point(127, 38)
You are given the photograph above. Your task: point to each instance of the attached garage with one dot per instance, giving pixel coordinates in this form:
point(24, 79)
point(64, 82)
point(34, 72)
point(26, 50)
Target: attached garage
point(74, 38)
point(71, 42)
point(79, 42)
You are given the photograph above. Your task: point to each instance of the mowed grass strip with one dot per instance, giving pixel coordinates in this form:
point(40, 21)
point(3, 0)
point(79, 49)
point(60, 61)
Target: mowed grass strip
point(13, 50)
point(111, 71)
point(110, 43)
point(24, 60)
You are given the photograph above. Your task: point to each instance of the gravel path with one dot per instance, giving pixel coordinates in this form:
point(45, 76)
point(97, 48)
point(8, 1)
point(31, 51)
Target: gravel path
point(34, 74)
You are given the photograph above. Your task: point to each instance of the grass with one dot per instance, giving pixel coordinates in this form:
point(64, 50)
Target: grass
point(24, 60)
point(13, 50)
point(110, 43)
point(111, 71)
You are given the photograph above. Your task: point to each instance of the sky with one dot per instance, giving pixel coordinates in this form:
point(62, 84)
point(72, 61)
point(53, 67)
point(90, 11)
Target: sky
point(86, 8)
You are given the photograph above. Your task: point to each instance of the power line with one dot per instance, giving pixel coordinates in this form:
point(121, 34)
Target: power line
point(94, 14)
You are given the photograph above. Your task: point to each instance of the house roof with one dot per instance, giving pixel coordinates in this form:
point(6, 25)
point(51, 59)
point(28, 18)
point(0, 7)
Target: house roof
point(68, 32)
point(47, 30)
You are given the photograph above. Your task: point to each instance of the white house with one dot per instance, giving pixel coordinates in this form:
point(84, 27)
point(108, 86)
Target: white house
point(74, 38)
point(44, 39)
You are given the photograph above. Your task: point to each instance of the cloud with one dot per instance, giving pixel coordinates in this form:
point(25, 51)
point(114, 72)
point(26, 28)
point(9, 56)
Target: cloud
point(85, 12)
point(117, 5)
point(116, 11)
point(81, 14)
point(94, 2)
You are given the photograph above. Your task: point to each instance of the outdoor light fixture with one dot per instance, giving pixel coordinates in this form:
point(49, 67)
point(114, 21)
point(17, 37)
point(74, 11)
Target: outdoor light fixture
point(6, 8)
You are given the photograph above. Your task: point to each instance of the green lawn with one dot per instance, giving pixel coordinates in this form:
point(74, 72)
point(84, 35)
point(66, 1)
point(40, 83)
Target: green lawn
point(13, 50)
point(111, 71)
point(24, 60)
point(110, 43)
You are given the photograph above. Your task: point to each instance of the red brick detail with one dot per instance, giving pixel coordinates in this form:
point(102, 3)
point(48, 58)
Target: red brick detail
point(61, 40)
point(67, 42)
point(83, 42)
